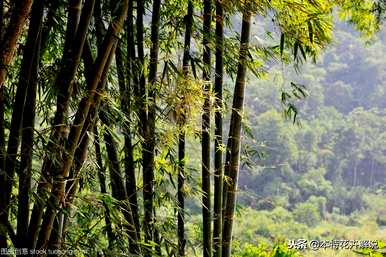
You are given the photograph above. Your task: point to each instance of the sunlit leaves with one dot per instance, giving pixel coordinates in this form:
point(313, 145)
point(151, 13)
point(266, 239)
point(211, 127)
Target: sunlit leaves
point(361, 13)
point(305, 26)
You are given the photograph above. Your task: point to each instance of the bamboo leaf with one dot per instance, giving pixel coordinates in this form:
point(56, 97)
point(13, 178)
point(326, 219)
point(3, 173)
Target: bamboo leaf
point(282, 44)
point(310, 31)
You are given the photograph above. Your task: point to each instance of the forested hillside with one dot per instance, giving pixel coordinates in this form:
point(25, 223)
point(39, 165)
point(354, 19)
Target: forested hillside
point(192, 128)
point(324, 176)
point(341, 130)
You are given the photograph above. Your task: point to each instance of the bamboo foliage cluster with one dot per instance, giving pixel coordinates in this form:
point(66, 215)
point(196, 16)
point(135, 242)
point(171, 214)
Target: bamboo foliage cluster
point(124, 106)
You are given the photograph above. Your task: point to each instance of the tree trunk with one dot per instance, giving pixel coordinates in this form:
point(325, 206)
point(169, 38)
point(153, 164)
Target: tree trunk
point(19, 15)
point(148, 147)
point(206, 208)
point(1, 19)
point(102, 65)
point(117, 185)
point(218, 157)
point(226, 172)
point(77, 28)
point(52, 12)
point(25, 171)
point(181, 196)
point(75, 38)
point(131, 184)
point(102, 182)
point(27, 68)
point(81, 151)
point(58, 234)
point(3, 234)
point(58, 188)
point(235, 134)
point(140, 88)
point(140, 91)
point(181, 139)
point(80, 154)
point(3, 218)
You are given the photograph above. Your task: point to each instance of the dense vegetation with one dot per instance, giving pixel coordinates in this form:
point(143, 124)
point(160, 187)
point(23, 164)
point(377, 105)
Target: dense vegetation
point(322, 177)
point(190, 128)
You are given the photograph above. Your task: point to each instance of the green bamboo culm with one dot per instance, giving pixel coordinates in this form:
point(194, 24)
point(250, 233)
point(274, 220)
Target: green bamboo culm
point(182, 136)
point(235, 135)
point(218, 140)
point(205, 144)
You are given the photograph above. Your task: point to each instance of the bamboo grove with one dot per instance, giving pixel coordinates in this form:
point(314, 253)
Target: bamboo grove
point(101, 101)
